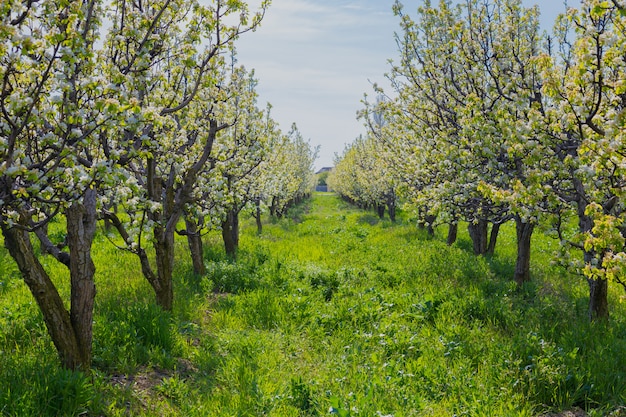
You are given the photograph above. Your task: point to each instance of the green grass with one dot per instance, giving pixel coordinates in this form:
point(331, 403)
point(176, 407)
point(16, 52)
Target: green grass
point(330, 311)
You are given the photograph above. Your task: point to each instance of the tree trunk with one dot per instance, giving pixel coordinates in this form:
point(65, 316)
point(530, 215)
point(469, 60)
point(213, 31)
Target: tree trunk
point(235, 227)
point(164, 248)
point(493, 238)
point(478, 234)
point(81, 229)
point(598, 288)
point(522, 266)
point(274, 206)
point(230, 233)
point(453, 230)
point(380, 209)
point(598, 299)
point(391, 208)
point(55, 315)
point(194, 240)
point(257, 216)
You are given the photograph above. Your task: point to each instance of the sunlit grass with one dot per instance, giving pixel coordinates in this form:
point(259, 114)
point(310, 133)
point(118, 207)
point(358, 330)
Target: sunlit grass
point(330, 311)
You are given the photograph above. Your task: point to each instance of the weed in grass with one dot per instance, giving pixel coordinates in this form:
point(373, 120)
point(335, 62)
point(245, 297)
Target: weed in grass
point(260, 309)
point(301, 397)
point(328, 284)
point(229, 277)
point(173, 388)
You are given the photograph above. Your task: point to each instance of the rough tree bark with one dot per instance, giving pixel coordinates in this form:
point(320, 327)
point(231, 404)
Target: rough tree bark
point(55, 315)
point(164, 248)
point(522, 265)
point(257, 216)
point(453, 230)
point(230, 233)
point(71, 332)
point(478, 234)
point(81, 229)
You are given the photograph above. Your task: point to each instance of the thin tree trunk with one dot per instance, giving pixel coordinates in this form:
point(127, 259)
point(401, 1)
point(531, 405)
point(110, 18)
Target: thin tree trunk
point(453, 230)
point(522, 266)
point(107, 221)
point(55, 315)
point(493, 238)
point(146, 268)
point(257, 216)
point(235, 227)
point(194, 240)
point(391, 208)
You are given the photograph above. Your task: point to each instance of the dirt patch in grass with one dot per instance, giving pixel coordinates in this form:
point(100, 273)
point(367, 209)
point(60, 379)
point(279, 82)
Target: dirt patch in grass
point(148, 378)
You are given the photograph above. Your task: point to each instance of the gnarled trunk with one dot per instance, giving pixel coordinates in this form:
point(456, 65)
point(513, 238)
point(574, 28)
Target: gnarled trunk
point(55, 315)
point(71, 332)
point(522, 265)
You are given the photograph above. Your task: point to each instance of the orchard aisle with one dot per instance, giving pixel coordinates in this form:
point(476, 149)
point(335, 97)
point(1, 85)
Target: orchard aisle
point(331, 311)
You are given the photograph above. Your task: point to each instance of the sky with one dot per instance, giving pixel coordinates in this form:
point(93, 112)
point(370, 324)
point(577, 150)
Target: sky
point(315, 60)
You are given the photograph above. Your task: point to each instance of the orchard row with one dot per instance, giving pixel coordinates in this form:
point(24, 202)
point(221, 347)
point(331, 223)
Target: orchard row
point(137, 114)
point(491, 120)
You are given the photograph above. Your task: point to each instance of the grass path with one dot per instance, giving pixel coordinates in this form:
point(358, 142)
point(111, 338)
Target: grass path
point(329, 312)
